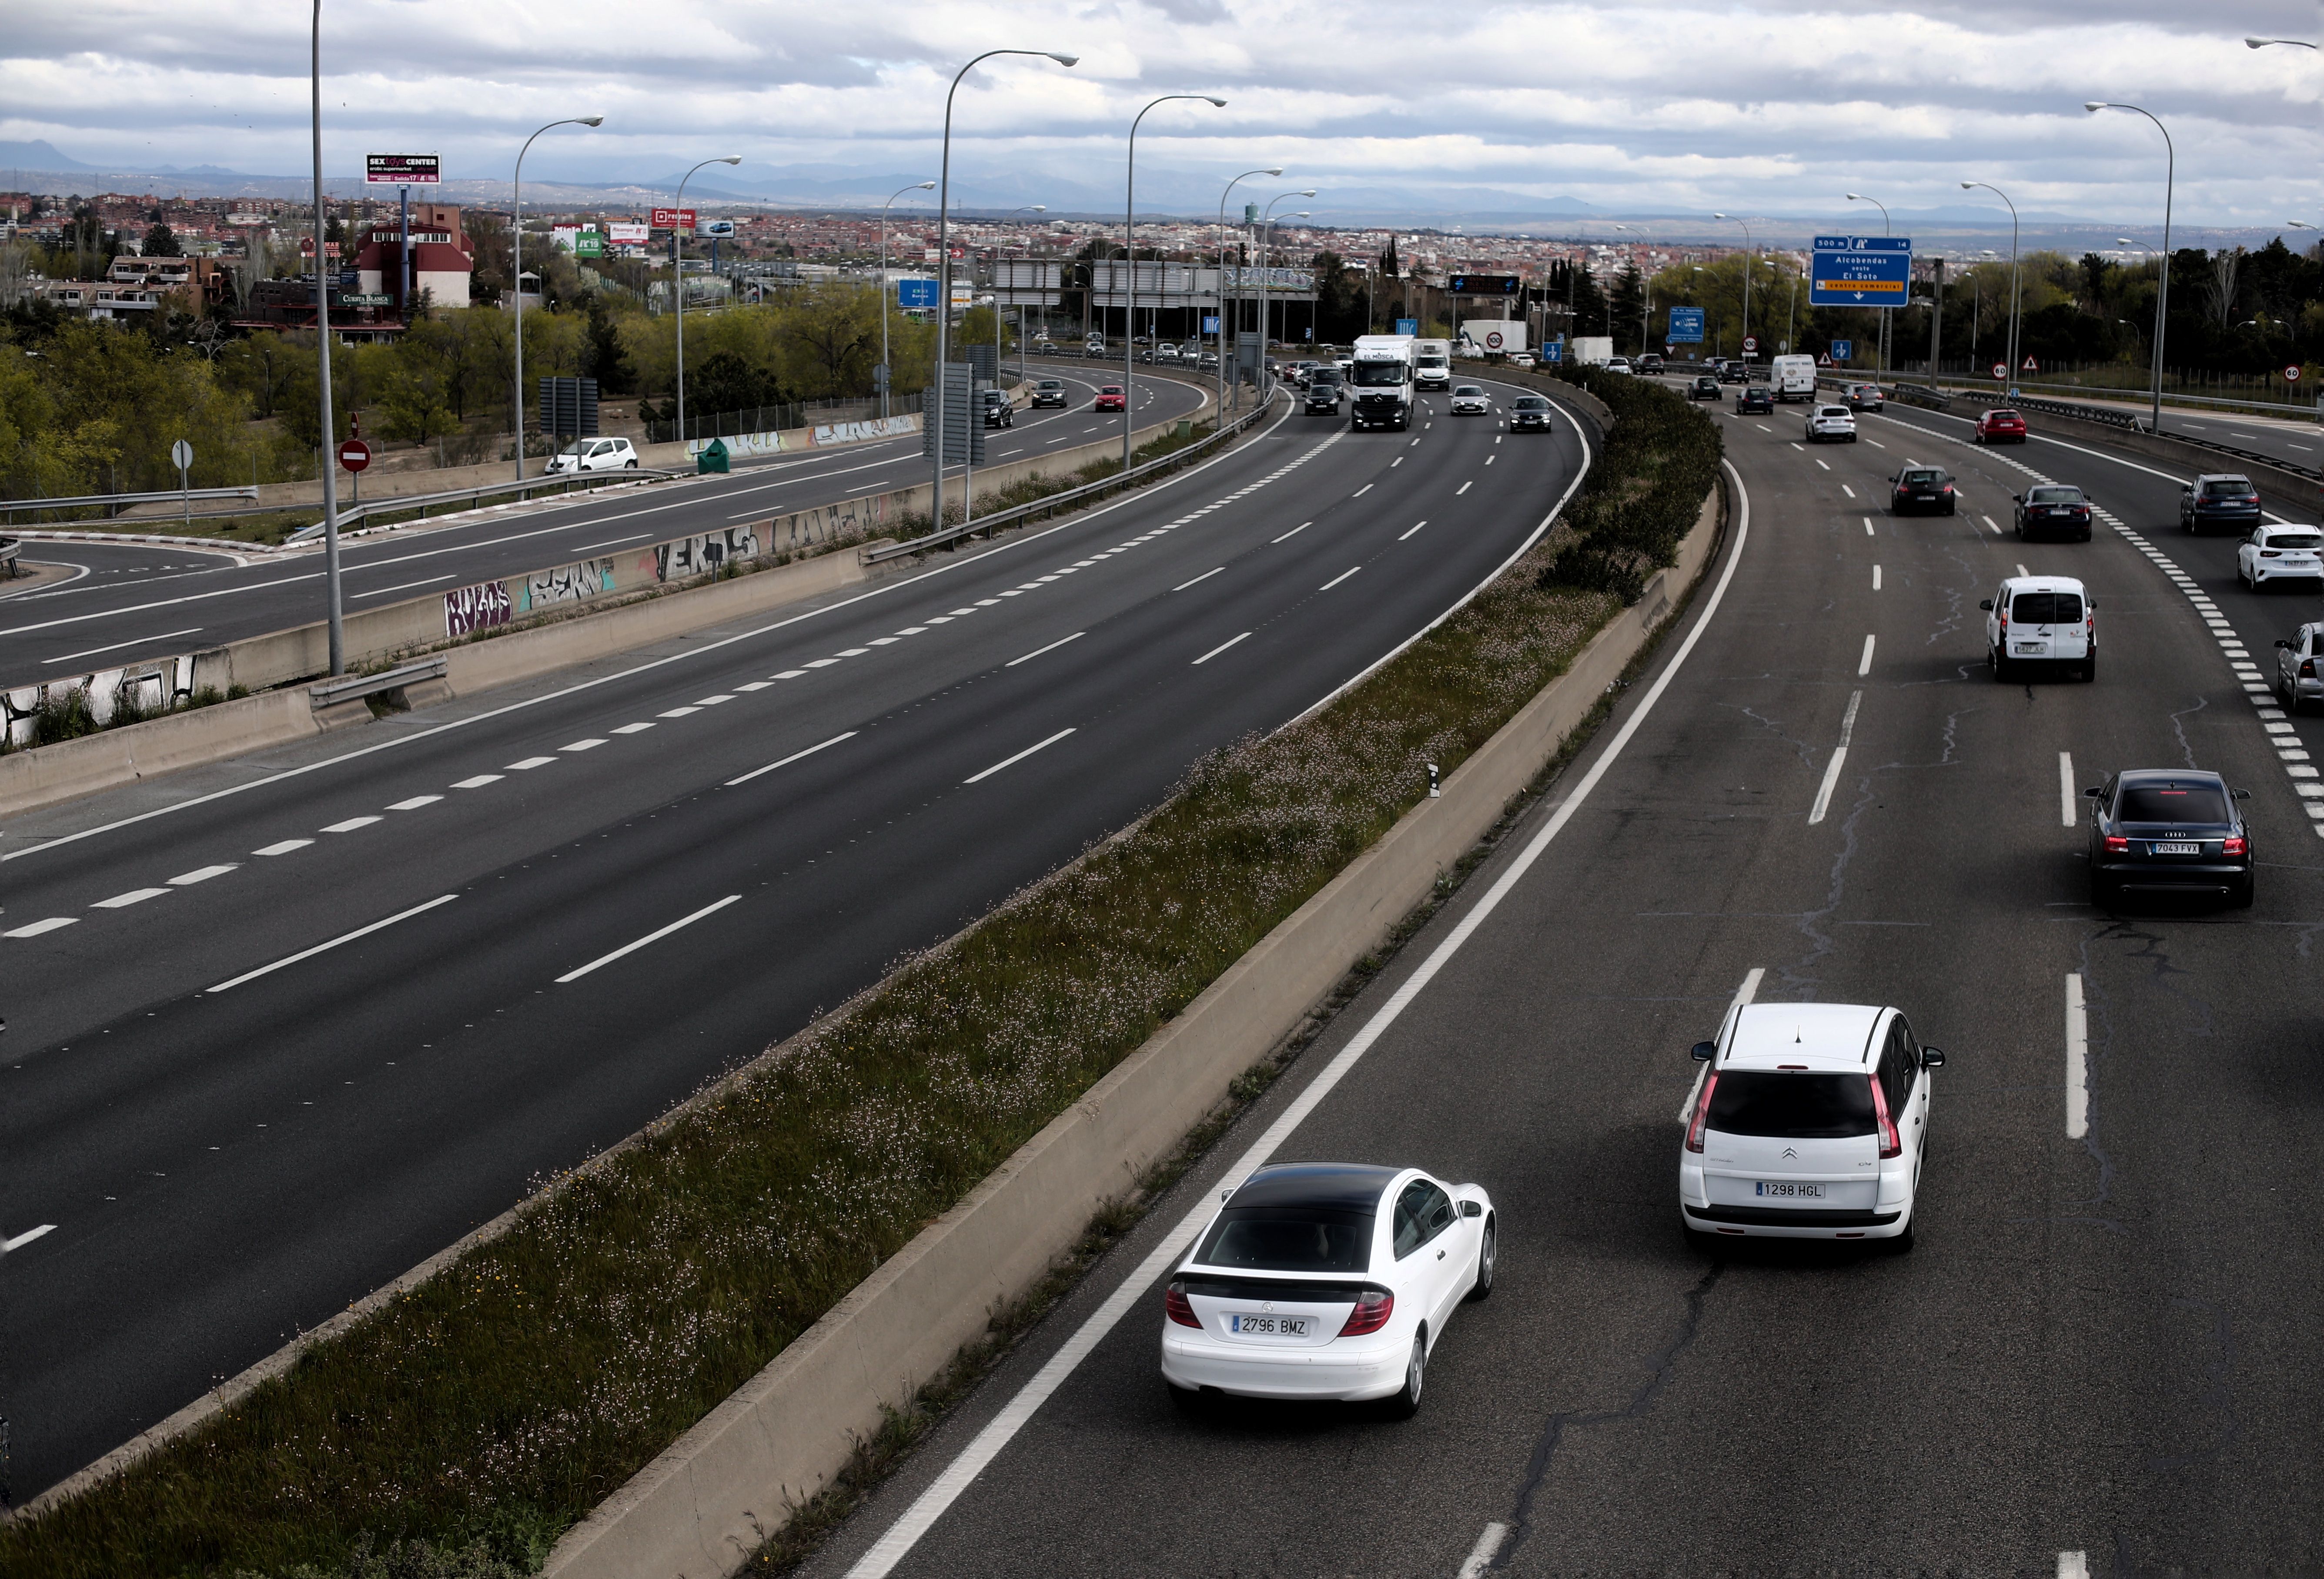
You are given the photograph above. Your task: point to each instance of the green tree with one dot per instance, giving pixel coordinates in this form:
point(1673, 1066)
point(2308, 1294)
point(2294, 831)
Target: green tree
point(161, 242)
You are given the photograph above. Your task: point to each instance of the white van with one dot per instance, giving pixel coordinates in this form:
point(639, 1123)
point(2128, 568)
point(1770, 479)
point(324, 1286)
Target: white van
point(1432, 364)
point(1794, 377)
point(2041, 620)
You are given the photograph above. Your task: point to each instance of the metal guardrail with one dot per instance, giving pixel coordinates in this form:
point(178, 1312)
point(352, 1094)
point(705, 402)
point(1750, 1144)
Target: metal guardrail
point(987, 524)
point(2144, 396)
point(92, 501)
point(326, 693)
point(562, 483)
point(2129, 422)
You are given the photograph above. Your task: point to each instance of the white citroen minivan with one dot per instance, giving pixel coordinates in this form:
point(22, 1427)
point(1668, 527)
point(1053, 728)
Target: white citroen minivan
point(1808, 1122)
point(2040, 622)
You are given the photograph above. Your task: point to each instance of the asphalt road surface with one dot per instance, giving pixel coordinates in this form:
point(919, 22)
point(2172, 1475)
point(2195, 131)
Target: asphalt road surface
point(270, 1049)
point(2103, 1356)
point(146, 601)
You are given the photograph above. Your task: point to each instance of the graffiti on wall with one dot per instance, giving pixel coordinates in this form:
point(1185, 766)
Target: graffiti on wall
point(565, 583)
point(152, 686)
point(695, 556)
point(475, 608)
point(785, 439)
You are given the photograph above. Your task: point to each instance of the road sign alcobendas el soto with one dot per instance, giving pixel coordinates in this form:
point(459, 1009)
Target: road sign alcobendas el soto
point(403, 170)
point(1860, 270)
point(1685, 326)
point(916, 293)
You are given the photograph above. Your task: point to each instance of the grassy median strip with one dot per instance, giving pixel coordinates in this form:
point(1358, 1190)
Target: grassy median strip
point(465, 1425)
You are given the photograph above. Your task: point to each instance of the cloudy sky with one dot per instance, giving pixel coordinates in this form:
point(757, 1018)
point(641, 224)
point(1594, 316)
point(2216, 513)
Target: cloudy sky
point(1764, 107)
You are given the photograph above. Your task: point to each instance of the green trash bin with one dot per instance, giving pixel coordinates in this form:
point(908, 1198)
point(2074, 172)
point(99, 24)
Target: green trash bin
point(712, 459)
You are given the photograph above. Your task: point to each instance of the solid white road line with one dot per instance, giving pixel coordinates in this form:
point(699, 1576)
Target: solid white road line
point(37, 928)
point(1052, 647)
point(290, 959)
point(788, 760)
point(1865, 666)
point(25, 1237)
point(1342, 575)
point(115, 647)
point(2078, 1047)
point(1028, 751)
point(654, 937)
point(1213, 652)
point(1839, 753)
point(1488, 1546)
point(1744, 994)
point(902, 1536)
point(2069, 801)
point(1206, 575)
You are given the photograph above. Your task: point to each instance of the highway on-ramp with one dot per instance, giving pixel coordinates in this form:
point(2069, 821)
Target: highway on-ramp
point(2102, 1356)
point(317, 1014)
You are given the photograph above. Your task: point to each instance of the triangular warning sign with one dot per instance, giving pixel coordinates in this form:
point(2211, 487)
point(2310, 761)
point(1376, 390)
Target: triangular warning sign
point(2030, 366)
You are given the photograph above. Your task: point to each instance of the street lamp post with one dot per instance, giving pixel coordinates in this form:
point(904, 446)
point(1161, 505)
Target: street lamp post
point(1218, 414)
point(933, 419)
point(1748, 247)
point(1996, 191)
point(323, 353)
point(516, 270)
point(1020, 208)
point(1264, 384)
point(886, 371)
point(1888, 228)
point(1130, 264)
point(678, 279)
point(2162, 289)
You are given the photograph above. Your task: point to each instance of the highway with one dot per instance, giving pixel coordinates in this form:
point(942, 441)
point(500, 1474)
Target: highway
point(145, 601)
point(281, 1028)
point(2102, 1356)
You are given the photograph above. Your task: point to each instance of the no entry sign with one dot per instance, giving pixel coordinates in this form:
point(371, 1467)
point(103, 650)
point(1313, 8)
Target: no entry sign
point(354, 454)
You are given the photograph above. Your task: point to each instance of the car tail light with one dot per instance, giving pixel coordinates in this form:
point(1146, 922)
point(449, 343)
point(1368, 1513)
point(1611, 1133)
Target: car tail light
point(2270, 554)
point(1890, 1146)
point(1174, 1306)
point(2307, 669)
point(2231, 845)
point(1702, 1113)
point(2116, 844)
point(1373, 1308)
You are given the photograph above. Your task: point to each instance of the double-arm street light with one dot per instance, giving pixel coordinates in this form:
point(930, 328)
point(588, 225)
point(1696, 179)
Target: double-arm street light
point(1218, 414)
point(678, 279)
point(2262, 43)
point(1020, 208)
point(2162, 290)
point(1996, 191)
point(516, 268)
point(886, 372)
point(1265, 382)
point(1749, 246)
point(323, 355)
point(1888, 226)
point(1130, 311)
point(934, 414)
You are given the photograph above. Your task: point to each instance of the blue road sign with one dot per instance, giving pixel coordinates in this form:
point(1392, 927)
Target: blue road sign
point(1210, 323)
point(1408, 326)
point(1554, 352)
point(916, 293)
point(1841, 350)
point(1685, 327)
point(1860, 270)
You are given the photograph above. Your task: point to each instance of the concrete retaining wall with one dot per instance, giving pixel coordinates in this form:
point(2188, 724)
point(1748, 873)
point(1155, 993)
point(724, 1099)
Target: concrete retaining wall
point(700, 1507)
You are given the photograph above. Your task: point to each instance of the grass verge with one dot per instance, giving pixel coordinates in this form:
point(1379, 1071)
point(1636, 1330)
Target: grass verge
point(492, 1407)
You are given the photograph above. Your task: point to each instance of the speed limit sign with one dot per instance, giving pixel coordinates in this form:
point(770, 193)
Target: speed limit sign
point(1750, 342)
point(2291, 375)
point(2001, 370)
point(1493, 340)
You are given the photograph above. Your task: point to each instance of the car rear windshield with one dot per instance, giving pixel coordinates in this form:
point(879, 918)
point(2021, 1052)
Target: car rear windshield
point(2046, 608)
point(1794, 1106)
point(1289, 1239)
point(1924, 476)
point(2294, 539)
point(2180, 803)
point(2226, 488)
point(2054, 496)
point(2004, 417)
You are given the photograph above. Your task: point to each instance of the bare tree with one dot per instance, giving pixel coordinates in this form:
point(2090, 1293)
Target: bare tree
point(2220, 290)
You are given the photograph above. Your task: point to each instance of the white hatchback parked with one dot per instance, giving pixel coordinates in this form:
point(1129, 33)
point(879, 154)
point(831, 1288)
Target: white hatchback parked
point(1325, 1280)
point(2041, 620)
point(594, 455)
point(1797, 1136)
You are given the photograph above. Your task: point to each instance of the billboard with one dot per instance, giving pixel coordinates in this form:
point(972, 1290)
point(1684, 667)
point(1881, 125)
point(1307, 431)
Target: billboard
point(1685, 327)
point(673, 219)
point(718, 227)
point(627, 233)
point(1859, 271)
point(402, 169)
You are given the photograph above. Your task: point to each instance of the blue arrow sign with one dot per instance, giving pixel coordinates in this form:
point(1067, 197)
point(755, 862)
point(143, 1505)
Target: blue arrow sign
point(916, 293)
point(1841, 350)
point(1685, 327)
point(1860, 270)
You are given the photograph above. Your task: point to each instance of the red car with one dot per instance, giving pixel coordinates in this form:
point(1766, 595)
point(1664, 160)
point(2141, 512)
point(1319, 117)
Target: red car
point(1112, 399)
point(1999, 427)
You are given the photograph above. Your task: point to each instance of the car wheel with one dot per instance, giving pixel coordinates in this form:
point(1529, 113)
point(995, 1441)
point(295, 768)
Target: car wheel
point(1903, 1244)
point(2239, 898)
point(1406, 1402)
point(1483, 1287)
point(2104, 892)
point(1952, 510)
point(630, 465)
point(2000, 667)
point(2085, 534)
point(2090, 669)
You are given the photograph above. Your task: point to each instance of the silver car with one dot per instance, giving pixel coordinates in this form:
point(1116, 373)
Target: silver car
point(2297, 680)
point(1468, 400)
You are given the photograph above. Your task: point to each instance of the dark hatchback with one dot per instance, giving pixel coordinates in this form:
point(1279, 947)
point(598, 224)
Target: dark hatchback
point(1529, 413)
point(2053, 507)
point(1922, 487)
point(1704, 388)
point(2220, 500)
point(1756, 397)
point(1324, 389)
point(2168, 830)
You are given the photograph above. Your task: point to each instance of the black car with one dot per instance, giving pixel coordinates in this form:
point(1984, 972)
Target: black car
point(1529, 414)
point(2220, 499)
point(1756, 397)
point(1922, 487)
point(998, 411)
point(1324, 389)
point(2168, 830)
point(1704, 388)
point(1649, 364)
point(2053, 507)
point(1050, 392)
point(1734, 373)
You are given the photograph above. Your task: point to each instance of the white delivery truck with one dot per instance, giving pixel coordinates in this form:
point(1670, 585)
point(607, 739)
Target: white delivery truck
point(1382, 380)
point(1493, 336)
point(1794, 377)
point(1593, 350)
point(1432, 364)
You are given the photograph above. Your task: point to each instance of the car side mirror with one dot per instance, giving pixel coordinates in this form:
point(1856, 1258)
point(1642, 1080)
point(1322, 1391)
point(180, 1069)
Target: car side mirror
point(2240, 794)
point(2018, 498)
point(1986, 604)
point(2186, 487)
point(2094, 794)
point(1705, 1051)
point(1472, 1209)
point(2281, 643)
point(1932, 1057)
